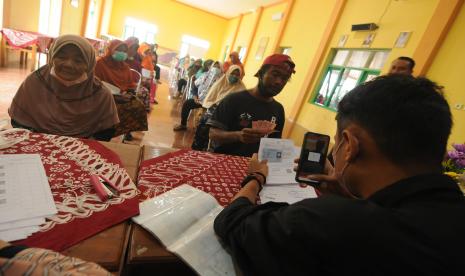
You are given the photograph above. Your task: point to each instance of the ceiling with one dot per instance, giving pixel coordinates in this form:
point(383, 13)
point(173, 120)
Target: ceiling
point(228, 8)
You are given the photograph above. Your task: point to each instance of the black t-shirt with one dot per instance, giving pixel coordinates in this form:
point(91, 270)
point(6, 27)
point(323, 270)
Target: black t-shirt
point(413, 227)
point(237, 111)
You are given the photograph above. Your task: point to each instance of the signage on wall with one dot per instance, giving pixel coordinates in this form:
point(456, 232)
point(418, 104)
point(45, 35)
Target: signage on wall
point(368, 39)
point(402, 39)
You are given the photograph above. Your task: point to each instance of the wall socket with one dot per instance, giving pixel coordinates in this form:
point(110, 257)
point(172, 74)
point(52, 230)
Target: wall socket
point(459, 106)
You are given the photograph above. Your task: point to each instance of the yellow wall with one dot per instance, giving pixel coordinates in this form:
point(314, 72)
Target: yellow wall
point(313, 16)
point(22, 14)
point(173, 20)
point(412, 15)
point(266, 28)
point(243, 36)
point(447, 70)
point(71, 18)
point(106, 16)
point(228, 37)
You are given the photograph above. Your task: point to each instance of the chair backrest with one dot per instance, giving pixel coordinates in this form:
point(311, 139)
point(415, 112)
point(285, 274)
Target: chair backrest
point(138, 77)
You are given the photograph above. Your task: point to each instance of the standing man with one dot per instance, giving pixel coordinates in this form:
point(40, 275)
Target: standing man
point(233, 60)
point(402, 66)
point(231, 125)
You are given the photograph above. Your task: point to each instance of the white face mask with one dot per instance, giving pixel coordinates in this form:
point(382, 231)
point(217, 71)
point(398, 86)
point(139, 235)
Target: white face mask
point(7, 141)
point(340, 174)
point(68, 83)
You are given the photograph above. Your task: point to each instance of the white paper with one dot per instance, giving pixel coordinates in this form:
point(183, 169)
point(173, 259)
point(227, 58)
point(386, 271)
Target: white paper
point(280, 154)
point(182, 219)
point(146, 73)
point(290, 193)
point(113, 89)
point(25, 195)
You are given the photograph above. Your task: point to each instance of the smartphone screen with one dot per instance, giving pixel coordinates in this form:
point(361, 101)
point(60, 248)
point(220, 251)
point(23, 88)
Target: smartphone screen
point(312, 156)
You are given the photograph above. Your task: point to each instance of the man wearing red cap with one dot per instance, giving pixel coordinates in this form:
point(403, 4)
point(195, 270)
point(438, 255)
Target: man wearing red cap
point(233, 126)
point(233, 60)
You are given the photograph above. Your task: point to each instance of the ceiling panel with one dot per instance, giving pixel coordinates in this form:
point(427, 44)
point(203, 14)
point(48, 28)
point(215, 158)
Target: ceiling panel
point(228, 8)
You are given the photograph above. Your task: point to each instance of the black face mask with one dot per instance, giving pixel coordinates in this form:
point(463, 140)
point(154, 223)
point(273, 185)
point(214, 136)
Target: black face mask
point(264, 91)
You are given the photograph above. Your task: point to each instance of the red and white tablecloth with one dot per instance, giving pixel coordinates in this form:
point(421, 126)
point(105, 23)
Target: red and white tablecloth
point(217, 174)
point(68, 163)
point(21, 39)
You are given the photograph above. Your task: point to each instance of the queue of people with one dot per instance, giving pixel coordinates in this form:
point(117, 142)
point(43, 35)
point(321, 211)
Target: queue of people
point(385, 207)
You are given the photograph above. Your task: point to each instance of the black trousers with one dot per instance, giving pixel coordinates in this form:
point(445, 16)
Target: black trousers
point(186, 109)
point(157, 72)
point(181, 84)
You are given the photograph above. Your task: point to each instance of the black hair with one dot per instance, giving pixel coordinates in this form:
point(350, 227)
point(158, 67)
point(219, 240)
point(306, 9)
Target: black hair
point(262, 71)
point(410, 60)
point(408, 118)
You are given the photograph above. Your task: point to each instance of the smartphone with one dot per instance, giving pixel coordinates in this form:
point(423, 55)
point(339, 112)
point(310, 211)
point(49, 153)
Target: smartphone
point(312, 157)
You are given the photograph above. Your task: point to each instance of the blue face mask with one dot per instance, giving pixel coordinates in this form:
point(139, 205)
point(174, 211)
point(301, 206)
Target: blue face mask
point(233, 79)
point(119, 56)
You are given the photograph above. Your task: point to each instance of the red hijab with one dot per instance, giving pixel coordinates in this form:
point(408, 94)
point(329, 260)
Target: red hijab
point(114, 72)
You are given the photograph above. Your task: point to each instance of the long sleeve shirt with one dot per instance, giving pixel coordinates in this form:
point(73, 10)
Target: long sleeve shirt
point(413, 227)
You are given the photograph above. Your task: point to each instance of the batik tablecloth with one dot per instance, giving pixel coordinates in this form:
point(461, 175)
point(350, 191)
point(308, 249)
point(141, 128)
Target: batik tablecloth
point(68, 163)
point(217, 174)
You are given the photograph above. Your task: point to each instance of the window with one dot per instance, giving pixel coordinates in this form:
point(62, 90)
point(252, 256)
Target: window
point(50, 17)
point(195, 47)
point(242, 51)
point(226, 53)
point(144, 31)
point(347, 69)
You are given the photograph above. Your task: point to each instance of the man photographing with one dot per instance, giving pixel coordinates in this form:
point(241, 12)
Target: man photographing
point(391, 210)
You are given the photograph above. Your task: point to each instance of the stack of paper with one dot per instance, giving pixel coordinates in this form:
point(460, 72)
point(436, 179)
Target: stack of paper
point(182, 219)
point(281, 185)
point(25, 196)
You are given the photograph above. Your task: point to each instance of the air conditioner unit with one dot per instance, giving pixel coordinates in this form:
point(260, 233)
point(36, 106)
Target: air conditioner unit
point(364, 27)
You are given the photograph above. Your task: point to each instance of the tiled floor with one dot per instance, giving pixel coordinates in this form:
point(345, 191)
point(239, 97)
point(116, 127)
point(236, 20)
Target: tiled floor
point(161, 119)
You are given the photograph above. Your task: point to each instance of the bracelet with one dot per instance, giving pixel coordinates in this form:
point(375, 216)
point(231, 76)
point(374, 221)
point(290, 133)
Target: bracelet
point(249, 178)
point(262, 175)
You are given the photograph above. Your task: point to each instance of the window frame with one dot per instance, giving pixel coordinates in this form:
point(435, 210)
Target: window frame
point(366, 71)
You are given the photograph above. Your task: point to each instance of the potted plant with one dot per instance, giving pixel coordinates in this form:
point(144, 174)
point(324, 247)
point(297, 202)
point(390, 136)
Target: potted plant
point(454, 164)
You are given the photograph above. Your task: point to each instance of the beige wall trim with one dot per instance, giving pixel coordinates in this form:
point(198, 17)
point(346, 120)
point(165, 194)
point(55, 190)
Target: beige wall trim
point(85, 17)
point(233, 43)
point(312, 71)
point(259, 12)
point(436, 31)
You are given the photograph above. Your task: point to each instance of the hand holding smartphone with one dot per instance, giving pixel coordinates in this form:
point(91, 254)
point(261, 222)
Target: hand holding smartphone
point(312, 157)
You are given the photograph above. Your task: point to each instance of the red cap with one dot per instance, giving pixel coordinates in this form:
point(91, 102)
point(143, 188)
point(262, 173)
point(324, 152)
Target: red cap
point(280, 60)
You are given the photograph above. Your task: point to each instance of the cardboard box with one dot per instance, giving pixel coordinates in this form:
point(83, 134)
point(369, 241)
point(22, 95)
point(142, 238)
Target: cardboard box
point(130, 155)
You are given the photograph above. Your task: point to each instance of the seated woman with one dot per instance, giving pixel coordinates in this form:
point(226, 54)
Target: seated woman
point(192, 70)
point(113, 69)
point(133, 60)
point(199, 91)
point(63, 97)
point(225, 85)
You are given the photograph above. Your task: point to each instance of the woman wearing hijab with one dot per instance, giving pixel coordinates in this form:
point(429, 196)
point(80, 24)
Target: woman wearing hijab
point(146, 54)
point(200, 90)
point(64, 97)
point(191, 71)
point(133, 60)
point(228, 83)
point(113, 69)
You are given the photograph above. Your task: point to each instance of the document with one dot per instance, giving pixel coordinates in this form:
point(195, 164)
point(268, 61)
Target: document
point(25, 196)
point(182, 219)
point(290, 193)
point(280, 154)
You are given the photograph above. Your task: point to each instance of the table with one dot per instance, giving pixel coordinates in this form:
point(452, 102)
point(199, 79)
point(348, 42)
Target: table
point(33, 42)
point(145, 253)
point(108, 248)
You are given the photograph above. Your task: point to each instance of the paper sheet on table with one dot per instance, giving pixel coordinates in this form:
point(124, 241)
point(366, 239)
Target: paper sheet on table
point(290, 193)
point(25, 195)
point(182, 219)
point(280, 154)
